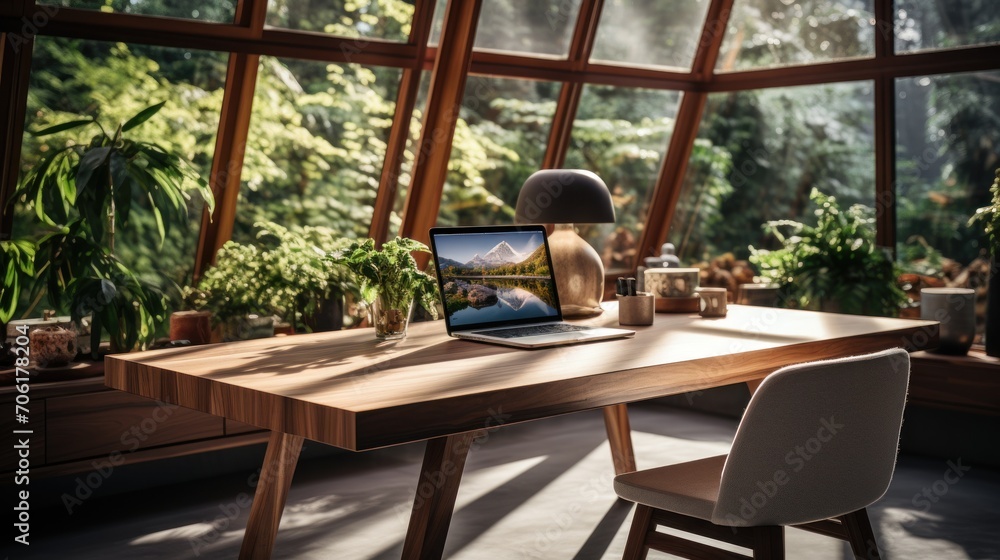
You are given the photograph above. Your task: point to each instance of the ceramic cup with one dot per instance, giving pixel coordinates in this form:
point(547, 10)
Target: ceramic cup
point(713, 302)
point(671, 282)
point(955, 308)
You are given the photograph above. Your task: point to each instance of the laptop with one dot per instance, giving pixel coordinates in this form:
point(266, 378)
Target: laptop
point(497, 286)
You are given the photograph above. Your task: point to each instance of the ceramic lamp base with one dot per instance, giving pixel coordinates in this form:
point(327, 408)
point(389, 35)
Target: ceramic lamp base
point(579, 273)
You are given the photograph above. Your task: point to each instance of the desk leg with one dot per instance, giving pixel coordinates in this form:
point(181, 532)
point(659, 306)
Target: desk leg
point(437, 488)
point(753, 384)
point(620, 438)
point(269, 499)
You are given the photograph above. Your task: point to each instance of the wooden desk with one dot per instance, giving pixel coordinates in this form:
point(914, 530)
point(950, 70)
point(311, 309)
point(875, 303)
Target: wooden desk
point(348, 390)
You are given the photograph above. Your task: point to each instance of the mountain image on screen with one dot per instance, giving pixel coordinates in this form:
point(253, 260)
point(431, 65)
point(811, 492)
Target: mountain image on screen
point(499, 285)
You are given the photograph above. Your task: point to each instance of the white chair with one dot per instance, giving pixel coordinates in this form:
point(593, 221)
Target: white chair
point(816, 446)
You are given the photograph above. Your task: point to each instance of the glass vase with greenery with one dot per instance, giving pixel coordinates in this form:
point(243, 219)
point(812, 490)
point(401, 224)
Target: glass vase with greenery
point(834, 265)
point(390, 281)
point(86, 194)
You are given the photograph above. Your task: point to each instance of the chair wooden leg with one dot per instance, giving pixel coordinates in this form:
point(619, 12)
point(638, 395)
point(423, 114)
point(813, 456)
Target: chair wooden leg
point(769, 543)
point(642, 524)
point(860, 535)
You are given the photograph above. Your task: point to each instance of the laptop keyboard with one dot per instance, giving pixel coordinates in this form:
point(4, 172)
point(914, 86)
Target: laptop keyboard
point(518, 332)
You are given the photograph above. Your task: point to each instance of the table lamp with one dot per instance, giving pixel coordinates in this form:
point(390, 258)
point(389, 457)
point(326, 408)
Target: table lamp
point(564, 197)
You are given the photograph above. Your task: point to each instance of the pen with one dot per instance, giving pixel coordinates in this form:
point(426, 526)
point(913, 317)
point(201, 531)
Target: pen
point(620, 286)
point(631, 286)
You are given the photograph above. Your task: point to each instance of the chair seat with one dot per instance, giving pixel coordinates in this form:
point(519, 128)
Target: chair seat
point(690, 488)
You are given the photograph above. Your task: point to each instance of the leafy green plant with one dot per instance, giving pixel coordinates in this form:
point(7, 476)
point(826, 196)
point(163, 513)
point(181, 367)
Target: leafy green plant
point(834, 265)
point(990, 215)
point(391, 273)
point(286, 273)
point(87, 192)
point(17, 260)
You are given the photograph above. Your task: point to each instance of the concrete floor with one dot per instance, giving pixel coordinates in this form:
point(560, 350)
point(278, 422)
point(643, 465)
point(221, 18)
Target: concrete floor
point(537, 490)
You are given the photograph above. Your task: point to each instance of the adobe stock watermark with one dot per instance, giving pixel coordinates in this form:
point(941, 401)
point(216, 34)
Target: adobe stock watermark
point(31, 26)
point(430, 482)
point(796, 459)
point(232, 510)
point(132, 438)
point(929, 495)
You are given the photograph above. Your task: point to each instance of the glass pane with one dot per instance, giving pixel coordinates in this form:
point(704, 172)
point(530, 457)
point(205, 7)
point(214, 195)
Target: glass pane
point(767, 33)
point(758, 156)
point(316, 145)
point(621, 134)
point(947, 150)
point(74, 79)
point(941, 24)
point(528, 26)
point(499, 140)
point(377, 19)
point(406, 169)
point(220, 11)
point(437, 22)
point(660, 33)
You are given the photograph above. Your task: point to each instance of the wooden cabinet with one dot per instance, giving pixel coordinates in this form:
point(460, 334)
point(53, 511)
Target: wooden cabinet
point(97, 424)
point(76, 419)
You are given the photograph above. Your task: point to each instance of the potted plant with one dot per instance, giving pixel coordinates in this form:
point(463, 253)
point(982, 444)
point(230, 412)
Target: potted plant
point(390, 282)
point(990, 216)
point(286, 273)
point(86, 192)
point(17, 259)
point(233, 291)
point(834, 265)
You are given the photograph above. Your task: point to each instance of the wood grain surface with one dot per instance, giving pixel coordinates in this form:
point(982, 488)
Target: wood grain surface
point(349, 390)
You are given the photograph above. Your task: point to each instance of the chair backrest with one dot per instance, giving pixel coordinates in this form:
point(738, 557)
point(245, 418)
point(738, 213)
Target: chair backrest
point(817, 440)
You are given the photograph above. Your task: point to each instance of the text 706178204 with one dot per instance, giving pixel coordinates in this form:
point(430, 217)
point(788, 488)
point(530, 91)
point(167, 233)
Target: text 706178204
point(22, 438)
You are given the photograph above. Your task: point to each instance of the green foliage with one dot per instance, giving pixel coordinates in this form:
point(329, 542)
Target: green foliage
point(391, 272)
point(87, 193)
point(286, 272)
point(990, 215)
point(17, 260)
point(834, 265)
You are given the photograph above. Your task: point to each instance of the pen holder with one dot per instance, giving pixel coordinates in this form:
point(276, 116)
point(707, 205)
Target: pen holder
point(637, 309)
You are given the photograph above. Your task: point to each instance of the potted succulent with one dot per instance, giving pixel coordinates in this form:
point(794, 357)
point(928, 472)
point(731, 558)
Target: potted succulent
point(390, 282)
point(832, 266)
point(990, 217)
point(86, 193)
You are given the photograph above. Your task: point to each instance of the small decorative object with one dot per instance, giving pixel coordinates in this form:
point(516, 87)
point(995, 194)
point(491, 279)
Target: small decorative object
point(674, 289)
point(761, 295)
point(53, 346)
point(50, 320)
point(955, 308)
point(713, 302)
point(991, 216)
point(390, 282)
point(193, 326)
point(564, 197)
point(672, 282)
point(667, 259)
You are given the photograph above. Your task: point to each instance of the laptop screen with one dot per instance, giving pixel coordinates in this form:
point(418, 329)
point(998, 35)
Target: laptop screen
point(494, 276)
